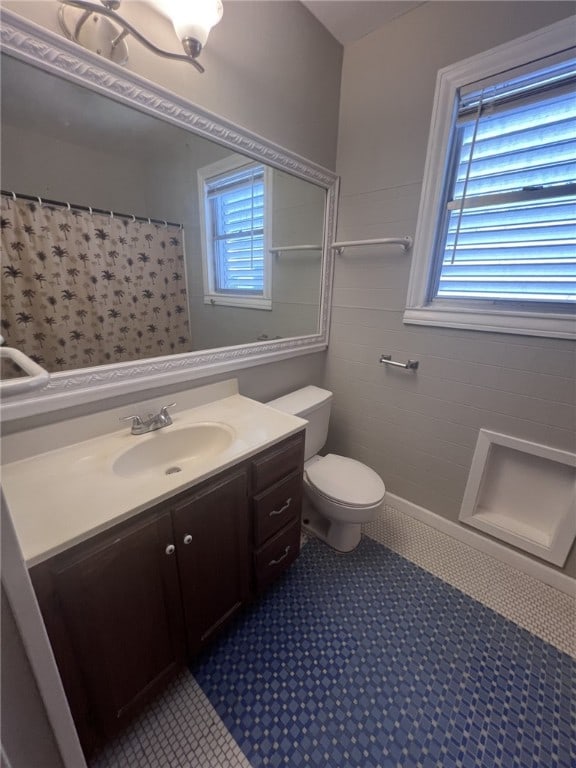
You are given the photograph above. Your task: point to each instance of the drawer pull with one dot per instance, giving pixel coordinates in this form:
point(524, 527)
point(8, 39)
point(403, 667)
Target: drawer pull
point(281, 510)
point(275, 562)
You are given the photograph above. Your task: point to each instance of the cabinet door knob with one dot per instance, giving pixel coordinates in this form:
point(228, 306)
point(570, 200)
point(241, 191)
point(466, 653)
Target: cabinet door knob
point(170, 549)
point(188, 539)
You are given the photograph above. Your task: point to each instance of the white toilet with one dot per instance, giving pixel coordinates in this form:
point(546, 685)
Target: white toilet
point(341, 493)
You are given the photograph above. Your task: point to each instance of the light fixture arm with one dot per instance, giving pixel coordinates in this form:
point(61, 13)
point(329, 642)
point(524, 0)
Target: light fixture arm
point(127, 29)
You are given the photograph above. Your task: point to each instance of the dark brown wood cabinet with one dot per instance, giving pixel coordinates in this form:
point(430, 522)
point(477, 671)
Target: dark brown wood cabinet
point(125, 609)
point(112, 609)
point(276, 507)
point(276, 555)
point(211, 529)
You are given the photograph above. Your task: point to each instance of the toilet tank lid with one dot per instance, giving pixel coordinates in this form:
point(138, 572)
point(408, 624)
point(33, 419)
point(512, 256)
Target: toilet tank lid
point(301, 401)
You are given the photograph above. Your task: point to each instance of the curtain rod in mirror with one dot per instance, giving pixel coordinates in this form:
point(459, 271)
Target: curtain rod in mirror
point(45, 51)
point(41, 201)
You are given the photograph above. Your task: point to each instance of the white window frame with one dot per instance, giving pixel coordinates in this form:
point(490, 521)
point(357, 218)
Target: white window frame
point(524, 318)
point(211, 295)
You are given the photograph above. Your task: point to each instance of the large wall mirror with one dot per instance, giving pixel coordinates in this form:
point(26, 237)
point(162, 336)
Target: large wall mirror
point(144, 241)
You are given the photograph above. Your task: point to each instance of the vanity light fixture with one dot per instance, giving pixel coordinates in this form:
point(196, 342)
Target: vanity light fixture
point(101, 29)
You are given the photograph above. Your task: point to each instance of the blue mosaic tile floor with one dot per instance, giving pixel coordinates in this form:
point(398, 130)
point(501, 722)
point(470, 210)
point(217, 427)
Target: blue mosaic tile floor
point(368, 661)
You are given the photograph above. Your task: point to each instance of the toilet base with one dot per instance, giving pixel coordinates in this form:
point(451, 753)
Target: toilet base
point(343, 537)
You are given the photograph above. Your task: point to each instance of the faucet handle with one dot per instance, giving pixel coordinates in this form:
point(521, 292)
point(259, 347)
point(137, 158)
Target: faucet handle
point(136, 420)
point(137, 424)
point(164, 416)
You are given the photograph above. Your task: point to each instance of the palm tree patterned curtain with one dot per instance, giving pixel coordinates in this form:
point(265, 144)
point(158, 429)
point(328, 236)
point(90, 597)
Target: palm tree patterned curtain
point(83, 289)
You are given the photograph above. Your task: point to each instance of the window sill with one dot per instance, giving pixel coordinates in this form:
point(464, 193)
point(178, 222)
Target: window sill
point(557, 326)
point(217, 300)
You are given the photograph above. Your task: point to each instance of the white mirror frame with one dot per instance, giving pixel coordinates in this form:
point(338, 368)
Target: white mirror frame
point(38, 46)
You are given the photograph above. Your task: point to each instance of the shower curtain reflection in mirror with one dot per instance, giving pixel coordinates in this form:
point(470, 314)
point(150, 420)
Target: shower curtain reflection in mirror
point(83, 289)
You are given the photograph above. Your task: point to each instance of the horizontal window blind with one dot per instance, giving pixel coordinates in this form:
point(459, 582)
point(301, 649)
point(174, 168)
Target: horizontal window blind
point(510, 226)
point(522, 84)
point(236, 205)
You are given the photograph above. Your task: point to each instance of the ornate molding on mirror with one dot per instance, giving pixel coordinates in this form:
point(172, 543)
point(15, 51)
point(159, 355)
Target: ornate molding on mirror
point(38, 46)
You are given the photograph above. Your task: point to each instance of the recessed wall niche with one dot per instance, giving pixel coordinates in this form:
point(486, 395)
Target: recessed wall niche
point(523, 493)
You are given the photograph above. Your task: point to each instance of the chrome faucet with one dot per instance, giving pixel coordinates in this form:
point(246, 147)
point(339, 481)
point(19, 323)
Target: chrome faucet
point(140, 426)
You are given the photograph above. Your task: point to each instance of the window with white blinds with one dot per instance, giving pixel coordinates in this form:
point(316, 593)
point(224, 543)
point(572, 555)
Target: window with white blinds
point(510, 229)
point(495, 242)
point(234, 203)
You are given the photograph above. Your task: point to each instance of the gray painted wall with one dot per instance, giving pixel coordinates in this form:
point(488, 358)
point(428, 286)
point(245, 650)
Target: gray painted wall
point(36, 164)
point(419, 431)
point(270, 67)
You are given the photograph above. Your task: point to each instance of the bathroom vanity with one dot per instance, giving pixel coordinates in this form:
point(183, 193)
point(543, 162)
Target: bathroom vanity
point(128, 601)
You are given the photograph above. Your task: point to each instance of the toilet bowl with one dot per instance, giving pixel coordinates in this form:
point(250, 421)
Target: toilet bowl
point(346, 494)
point(340, 493)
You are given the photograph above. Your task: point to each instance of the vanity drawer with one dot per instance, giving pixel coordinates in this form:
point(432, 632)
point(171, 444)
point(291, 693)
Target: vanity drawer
point(275, 556)
point(278, 463)
point(277, 507)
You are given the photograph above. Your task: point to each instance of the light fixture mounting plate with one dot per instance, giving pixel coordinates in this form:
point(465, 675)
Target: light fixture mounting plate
point(94, 32)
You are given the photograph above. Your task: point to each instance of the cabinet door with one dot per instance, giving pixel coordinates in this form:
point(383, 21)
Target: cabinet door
point(212, 534)
point(119, 604)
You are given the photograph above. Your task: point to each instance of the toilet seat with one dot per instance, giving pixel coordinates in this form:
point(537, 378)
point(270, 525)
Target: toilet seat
point(345, 481)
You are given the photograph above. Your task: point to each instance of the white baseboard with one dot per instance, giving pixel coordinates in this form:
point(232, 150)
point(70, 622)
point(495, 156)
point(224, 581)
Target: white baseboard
point(537, 570)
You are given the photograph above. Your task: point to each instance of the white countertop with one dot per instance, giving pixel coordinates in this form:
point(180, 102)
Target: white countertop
point(64, 496)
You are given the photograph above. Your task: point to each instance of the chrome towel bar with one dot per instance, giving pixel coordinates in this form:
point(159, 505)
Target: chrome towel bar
point(405, 242)
point(277, 250)
point(411, 365)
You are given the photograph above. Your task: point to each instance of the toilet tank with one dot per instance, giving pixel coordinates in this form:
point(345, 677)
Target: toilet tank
point(313, 404)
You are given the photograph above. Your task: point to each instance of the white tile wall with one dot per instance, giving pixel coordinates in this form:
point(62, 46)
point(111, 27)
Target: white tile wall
point(419, 430)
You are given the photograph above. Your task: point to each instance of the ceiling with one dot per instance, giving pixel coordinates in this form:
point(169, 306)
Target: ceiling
point(349, 20)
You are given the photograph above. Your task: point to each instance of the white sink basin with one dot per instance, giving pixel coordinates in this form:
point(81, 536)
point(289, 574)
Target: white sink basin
point(168, 450)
